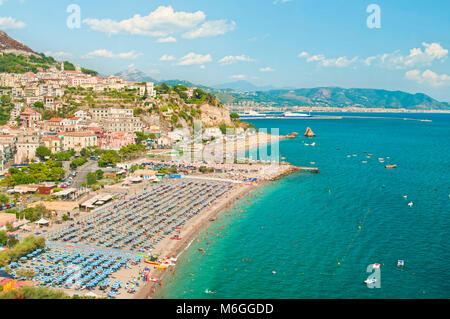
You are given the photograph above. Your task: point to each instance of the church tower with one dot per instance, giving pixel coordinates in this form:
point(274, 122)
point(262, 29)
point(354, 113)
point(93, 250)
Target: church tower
point(62, 66)
point(78, 69)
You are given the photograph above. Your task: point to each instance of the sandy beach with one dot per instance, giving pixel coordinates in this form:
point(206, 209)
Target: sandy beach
point(174, 248)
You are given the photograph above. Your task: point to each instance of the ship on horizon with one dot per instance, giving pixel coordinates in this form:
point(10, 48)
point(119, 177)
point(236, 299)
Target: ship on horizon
point(295, 115)
point(251, 115)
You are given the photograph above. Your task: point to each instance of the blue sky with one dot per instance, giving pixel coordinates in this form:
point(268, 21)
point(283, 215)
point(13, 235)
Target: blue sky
point(285, 43)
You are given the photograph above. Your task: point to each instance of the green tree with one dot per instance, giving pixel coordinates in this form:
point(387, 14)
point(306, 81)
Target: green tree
point(3, 237)
point(56, 173)
point(33, 293)
point(140, 137)
point(234, 116)
point(38, 104)
point(4, 199)
point(91, 178)
point(109, 158)
point(99, 174)
point(5, 100)
point(9, 227)
point(42, 152)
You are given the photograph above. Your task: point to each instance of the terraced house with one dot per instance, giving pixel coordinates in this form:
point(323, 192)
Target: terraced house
point(78, 140)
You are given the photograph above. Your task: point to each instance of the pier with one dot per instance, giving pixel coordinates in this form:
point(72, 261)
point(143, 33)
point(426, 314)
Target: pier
point(307, 169)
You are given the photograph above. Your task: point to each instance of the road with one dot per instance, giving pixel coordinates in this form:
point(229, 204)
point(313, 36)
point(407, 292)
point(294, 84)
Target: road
point(82, 171)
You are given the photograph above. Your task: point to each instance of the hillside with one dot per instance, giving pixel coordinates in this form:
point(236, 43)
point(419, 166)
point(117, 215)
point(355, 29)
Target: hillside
point(340, 97)
point(9, 45)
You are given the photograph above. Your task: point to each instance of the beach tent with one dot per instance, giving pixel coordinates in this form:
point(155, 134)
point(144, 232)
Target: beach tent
point(42, 221)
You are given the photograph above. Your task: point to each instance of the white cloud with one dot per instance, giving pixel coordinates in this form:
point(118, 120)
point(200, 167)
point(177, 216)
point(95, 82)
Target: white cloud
point(58, 55)
point(266, 69)
point(428, 77)
point(417, 56)
point(167, 57)
point(339, 62)
point(303, 54)
point(166, 40)
point(11, 23)
point(368, 61)
point(230, 59)
point(211, 29)
point(195, 58)
point(163, 22)
point(103, 53)
point(159, 23)
point(238, 76)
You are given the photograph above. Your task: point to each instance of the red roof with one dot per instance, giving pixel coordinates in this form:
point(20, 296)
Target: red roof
point(51, 138)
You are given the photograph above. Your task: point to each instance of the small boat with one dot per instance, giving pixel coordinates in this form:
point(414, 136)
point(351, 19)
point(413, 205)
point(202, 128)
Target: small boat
point(400, 263)
point(390, 166)
point(410, 204)
point(376, 266)
point(160, 267)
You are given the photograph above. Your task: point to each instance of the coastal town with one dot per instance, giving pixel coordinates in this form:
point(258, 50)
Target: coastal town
point(105, 181)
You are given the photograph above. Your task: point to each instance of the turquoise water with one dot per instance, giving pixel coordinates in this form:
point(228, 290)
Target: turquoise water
point(302, 226)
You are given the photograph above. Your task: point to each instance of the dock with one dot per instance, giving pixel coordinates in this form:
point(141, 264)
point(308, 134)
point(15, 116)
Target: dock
point(307, 169)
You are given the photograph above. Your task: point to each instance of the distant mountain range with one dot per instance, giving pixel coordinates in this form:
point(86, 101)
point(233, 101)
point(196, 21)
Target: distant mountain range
point(244, 86)
point(340, 97)
point(134, 75)
point(241, 90)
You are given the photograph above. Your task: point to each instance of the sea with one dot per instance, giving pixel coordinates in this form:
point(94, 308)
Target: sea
point(317, 235)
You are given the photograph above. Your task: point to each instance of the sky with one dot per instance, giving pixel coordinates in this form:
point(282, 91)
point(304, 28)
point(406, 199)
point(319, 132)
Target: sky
point(385, 44)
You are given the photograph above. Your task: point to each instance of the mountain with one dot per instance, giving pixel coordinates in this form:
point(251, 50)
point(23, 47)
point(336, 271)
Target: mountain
point(243, 86)
point(9, 45)
point(134, 75)
point(340, 97)
point(186, 84)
